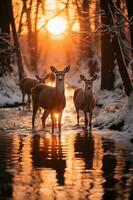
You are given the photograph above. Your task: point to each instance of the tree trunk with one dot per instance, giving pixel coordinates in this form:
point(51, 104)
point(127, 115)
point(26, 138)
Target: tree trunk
point(32, 60)
point(120, 56)
point(16, 42)
point(36, 34)
point(129, 4)
point(84, 29)
point(5, 32)
point(119, 18)
point(107, 53)
point(122, 66)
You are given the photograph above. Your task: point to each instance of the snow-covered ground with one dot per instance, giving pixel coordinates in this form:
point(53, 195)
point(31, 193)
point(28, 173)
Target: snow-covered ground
point(10, 93)
point(116, 112)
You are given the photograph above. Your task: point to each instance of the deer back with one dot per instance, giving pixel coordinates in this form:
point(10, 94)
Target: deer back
point(79, 98)
point(47, 98)
point(83, 98)
point(89, 101)
point(84, 101)
point(28, 83)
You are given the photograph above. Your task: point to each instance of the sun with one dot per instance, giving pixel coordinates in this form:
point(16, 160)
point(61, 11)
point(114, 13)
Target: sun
point(57, 26)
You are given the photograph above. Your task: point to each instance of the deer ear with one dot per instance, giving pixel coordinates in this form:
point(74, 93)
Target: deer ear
point(82, 78)
point(47, 76)
point(94, 77)
point(52, 76)
point(53, 69)
point(66, 69)
point(37, 77)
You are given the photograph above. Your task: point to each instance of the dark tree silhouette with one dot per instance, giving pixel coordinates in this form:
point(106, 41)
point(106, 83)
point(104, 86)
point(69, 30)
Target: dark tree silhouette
point(84, 28)
point(129, 4)
point(107, 52)
point(87, 50)
point(32, 35)
point(4, 33)
point(16, 41)
point(119, 51)
point(7, 19)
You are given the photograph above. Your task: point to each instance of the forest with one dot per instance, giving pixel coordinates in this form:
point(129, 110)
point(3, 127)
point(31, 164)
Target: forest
point(66, 99)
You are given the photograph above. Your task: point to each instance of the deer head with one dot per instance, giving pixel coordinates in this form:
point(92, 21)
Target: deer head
point(42, 79)
point(60, 74)
point(88, 82)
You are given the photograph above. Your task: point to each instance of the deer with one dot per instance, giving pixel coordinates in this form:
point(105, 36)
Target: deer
point(85, 100)
point(52, 99)
point(27, 84)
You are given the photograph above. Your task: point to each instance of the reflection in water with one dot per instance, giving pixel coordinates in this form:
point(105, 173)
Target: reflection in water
point(115, 171)
point(5, 175)
point(47, 153)
point(71, 166)
point(109, 164)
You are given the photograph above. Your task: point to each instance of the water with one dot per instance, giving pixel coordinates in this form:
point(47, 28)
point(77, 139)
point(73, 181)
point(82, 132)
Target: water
point(73, 166)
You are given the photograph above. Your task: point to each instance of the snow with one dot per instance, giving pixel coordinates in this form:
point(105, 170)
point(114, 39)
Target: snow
point(127, 115)
point(9, 90)
point(115, 110)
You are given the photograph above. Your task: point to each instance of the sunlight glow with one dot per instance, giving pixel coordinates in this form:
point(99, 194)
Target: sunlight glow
point(76, 27)
point(56, 115)
point(41, 22)
point(57, 26)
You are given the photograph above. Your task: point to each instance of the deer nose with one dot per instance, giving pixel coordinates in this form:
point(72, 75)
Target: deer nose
point(60, 78)
point(89, 87)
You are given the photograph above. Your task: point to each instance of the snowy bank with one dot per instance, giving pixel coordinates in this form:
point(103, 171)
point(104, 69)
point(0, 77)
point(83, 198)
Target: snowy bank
point(116, 112)
point(10, 93)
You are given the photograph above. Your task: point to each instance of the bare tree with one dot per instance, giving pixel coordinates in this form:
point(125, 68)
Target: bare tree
point(32, 10)
point(129, 4)
point(16, 41)
point(83, 12)
point(118, 50)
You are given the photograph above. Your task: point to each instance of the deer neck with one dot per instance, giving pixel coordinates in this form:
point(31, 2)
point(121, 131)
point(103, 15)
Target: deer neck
point(88, 94)
point(60, 89)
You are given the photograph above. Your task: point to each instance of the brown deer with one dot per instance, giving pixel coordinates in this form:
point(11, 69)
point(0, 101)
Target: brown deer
point(27, 84)
point(84, 100)
point(52, 99)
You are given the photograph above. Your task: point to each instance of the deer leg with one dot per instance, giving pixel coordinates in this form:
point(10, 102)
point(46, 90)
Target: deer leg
point(40, 110)
point(29, 101)
point(52, 119)
point(86, 119)
point(90, 124)
point(77, 116)
point(59, 121)
point(23, 95)
point(35, 109)
point(44, 117)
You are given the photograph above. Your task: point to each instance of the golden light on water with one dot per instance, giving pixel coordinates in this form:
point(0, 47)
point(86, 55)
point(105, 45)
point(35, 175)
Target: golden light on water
point(70, 166)
point(57, 25)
